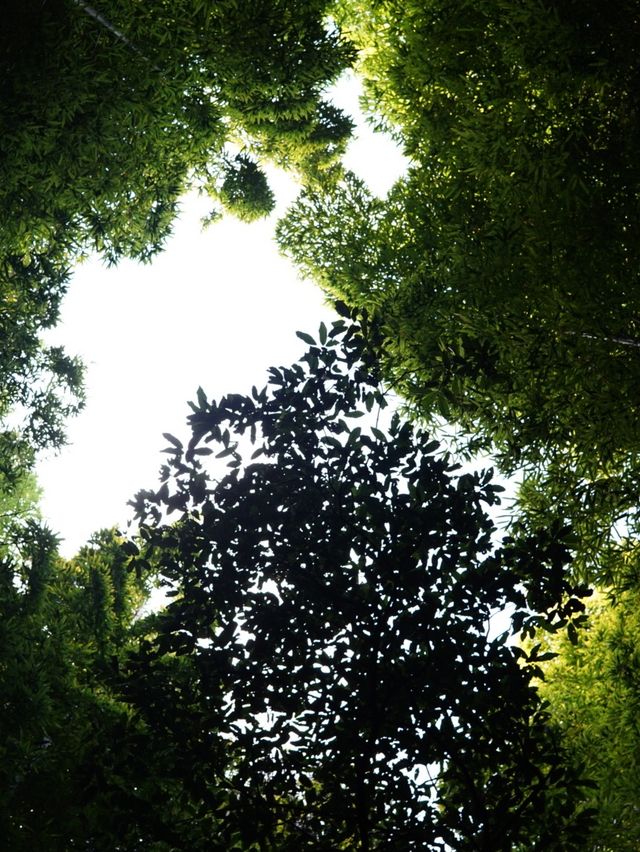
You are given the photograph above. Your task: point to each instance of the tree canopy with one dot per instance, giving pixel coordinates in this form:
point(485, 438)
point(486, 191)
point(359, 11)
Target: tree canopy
point(323, 676)
point(40, 385)
point(503, 268)
point(593, 695)
point(326, 674)
point(331, 585)
point(108, 114)
point(66, 764)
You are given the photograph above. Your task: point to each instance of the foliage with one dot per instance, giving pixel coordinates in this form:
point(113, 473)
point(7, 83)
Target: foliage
point(109, 113)
point(19, 504)
point(324, 676)
point(72, 757)
point(503, 269)
point(323, 667)
point(31, 675)
point(593, 690)
point(245, 191)
point(40, 386)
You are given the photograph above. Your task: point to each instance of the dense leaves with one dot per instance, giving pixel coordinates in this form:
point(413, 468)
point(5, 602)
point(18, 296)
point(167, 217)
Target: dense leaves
point(109, 112)
point(72, 758)
point(503, 268)
point(594, 694)
point(327, 673)
point(331, 586)
point(40, 386)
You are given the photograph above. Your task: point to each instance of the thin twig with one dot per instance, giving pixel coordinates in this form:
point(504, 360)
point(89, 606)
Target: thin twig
point(93, 13)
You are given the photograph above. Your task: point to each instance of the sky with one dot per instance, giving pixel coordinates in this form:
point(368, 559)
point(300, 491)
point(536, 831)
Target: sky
point(216, 309)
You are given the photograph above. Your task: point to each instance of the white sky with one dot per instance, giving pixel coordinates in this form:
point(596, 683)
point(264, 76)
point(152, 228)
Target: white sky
point(216, 309)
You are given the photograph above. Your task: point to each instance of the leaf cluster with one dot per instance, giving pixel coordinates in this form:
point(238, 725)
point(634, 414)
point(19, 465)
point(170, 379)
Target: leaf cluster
point(593, 690)
point(502, 269)
point(330, 586)
point(108, 114)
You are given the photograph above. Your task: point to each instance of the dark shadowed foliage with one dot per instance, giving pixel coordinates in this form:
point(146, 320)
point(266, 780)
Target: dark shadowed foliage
point(325, 666)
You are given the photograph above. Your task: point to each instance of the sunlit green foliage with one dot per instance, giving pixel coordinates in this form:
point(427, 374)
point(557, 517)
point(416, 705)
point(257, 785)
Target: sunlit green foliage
point(109, 112)
point(593, 688)
point(40, 386)
point(503, 269)
point(19, 504)
point(245, 191)
point(323, 676)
